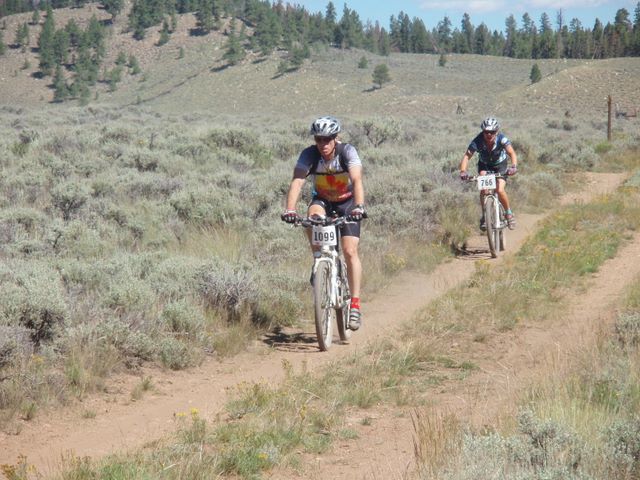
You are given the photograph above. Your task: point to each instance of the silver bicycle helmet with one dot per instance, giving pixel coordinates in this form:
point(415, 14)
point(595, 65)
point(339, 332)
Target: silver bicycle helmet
point(490, 124)
point(325, 127)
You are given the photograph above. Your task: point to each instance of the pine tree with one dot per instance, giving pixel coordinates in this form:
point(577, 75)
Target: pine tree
point(35, 18)
point(113, 7)
point(22, 36)
point(133, 65)
point(3, 47)
point(234, 52)
point(535, 75)
point(381, 75)
point(164, 33)
point(442, 61)
point(363, 62)
point(45, 43)
point(61, 92)
point(61, 45)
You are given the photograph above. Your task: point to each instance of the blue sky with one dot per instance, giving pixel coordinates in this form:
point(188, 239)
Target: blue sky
point(492, 12)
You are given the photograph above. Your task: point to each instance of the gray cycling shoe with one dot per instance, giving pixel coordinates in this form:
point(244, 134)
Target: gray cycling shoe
point(511, 220)
point(355, 318)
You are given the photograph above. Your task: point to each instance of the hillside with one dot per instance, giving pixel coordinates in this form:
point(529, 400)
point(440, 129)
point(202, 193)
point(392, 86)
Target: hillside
point(198, 82)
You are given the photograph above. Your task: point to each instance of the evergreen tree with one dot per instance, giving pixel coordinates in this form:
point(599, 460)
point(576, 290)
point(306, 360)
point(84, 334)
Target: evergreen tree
point(444, 35)
point(164, 33)
point(468, 34)
point(74, 32)
point(636, 31)
point(61, 45)
point(482, 40)
point(121, 59)
point(349, 31)
point(113, 7)
point(535, 74)
point(133, 65)
point(547, 44)
point(3, 47)
point(511, 40)
point(45, 43)
point(234, 52)
point(442, 61)
point(381, 75)
point(35, 18)
point(363, 62)
point(204, 16)
point(22, 36)
point(597, 36)
point(420, 39)
point(61, 90)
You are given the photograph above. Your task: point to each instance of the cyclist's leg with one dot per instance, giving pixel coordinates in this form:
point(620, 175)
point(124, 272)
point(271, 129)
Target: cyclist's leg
point(354, 266)
point(504, 200)
point(317, 206)
point(482, 170)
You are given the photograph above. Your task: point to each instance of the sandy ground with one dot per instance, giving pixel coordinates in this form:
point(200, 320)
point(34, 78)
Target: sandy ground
point(384, 448)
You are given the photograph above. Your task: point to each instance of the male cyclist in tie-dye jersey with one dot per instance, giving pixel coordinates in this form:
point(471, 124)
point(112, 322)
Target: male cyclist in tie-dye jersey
point(337, 187)
point(493, 149)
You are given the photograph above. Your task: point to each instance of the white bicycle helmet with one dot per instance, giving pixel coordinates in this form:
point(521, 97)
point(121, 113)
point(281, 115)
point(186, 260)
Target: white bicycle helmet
point(490, 124)
point(325, 127)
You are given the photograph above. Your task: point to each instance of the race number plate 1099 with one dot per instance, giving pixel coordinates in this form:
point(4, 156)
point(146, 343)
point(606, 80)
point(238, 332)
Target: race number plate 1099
point(486, 182)
point(324, 236)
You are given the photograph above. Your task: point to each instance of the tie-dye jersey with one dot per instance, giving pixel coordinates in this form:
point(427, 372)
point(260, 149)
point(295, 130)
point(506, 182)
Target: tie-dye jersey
point(330, 181)
point(493, 157)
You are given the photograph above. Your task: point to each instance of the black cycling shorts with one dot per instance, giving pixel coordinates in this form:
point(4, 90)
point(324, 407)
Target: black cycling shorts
point(500, 168)
point(351, 229)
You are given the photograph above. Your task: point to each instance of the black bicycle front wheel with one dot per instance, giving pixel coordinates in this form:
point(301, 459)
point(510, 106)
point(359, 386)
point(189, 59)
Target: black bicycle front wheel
point(324, 312)
point(490, 220)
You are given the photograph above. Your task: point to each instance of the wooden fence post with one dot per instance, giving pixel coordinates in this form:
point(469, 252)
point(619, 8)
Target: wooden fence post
point(609, 119)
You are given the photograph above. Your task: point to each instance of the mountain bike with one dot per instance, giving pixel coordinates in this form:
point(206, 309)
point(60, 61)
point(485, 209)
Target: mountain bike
point(494, 213)
point(331, 295)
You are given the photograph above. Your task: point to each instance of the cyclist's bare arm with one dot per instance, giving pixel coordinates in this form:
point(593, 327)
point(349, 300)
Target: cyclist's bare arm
point(512, 155)
point(464, 163)
point(355, 174)
point(295, 188)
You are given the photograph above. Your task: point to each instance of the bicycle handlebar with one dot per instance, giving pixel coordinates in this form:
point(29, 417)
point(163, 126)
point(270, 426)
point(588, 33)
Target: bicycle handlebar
point(327, 221)
point(475, 177)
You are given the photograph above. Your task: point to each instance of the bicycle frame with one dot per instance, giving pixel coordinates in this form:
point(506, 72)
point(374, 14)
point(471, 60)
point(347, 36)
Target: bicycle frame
point(493, 212)
point(331, 298)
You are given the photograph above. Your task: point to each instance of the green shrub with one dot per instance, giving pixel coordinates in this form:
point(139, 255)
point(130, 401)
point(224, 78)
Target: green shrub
point(69, 197)
point(33, 297)
point(182, 317)
point(177, 355)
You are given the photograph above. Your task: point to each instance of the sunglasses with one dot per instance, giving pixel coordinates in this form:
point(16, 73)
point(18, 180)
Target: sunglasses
point(324, 139)
point(489, 132)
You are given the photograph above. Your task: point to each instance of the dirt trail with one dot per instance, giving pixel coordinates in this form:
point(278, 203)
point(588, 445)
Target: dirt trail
point(384, 449)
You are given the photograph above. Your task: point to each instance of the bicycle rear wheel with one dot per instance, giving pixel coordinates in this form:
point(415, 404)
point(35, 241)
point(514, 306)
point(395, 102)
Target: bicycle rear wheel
point(324, 313)
point(490, 219)
point(342, 312)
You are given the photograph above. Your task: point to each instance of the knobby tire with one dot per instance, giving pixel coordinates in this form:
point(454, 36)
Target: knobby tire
point(503, 230)
point(342, 313)
point(324, 313)
point(490, 221)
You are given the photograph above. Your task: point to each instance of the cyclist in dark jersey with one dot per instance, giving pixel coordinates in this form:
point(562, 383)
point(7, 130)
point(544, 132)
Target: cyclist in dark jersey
point(337, 180)
point(493, 149)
